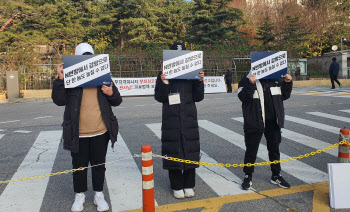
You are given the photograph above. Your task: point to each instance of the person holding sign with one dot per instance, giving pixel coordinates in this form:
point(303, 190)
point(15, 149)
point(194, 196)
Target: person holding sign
point(263, 112)
point(180, 134)
point(88, 125)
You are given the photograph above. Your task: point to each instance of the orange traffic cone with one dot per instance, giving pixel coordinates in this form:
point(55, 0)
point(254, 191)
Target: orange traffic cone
point(343, 155)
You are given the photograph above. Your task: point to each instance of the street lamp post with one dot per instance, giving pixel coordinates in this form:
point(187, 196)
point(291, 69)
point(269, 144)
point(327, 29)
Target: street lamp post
point(341, 40)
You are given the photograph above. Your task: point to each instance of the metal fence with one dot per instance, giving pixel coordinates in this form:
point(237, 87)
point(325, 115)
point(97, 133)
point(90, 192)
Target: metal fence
point(41, 76)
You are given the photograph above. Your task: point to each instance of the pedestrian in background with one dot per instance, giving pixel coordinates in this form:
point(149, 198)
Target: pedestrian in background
point(263, 112)
point(180, 134)
point(228, 78)
point(88, 125)
point(333, 73)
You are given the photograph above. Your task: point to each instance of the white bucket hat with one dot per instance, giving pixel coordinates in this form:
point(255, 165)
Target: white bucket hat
point(83, 48)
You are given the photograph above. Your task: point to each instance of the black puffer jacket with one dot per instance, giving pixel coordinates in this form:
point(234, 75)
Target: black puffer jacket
point(71, 98)
point(251, 103)
point(180, 134)
point(334, 68)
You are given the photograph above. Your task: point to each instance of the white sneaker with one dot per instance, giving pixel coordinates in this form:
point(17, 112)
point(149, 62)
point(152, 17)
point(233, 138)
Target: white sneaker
point(78, 204)
point(189, 192)
point(179, 194)
point(100, 201)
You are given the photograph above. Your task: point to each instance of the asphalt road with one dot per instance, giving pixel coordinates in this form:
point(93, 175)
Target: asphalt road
point(30, 134)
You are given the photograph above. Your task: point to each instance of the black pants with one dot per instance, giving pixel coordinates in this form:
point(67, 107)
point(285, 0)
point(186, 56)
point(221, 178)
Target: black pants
point(334, 78)
point(182, 179)
point(91, 150)
point(252, 140)
point(229, 86)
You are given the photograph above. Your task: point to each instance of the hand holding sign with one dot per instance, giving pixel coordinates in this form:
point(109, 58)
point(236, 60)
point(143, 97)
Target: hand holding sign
point(252, 78)
point(201, 75)
point(287, 78)
point(108, 90)
point(60, 70)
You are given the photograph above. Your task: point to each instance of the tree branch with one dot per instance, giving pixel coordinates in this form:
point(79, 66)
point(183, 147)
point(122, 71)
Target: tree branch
point(18, 15)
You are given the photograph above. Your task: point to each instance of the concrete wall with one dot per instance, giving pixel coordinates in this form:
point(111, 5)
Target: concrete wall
point(322, 63)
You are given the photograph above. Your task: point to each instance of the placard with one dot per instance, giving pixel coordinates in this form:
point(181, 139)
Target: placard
point(182, 64)
point(86, 70)
point(269, 65)
point(339, 186)
point(214, 85)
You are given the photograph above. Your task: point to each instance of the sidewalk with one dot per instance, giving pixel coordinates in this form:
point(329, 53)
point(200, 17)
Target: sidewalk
point(45, 95)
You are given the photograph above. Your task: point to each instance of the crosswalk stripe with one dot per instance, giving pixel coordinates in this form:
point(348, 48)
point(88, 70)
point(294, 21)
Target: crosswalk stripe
point(1, 135)
point(28, 196)
point(298, 169)
point(220, 179)
point(303, 139)
point(346, 111)
point(313, 124)
point(330, 116)
point(124, 179)
point(22, 131)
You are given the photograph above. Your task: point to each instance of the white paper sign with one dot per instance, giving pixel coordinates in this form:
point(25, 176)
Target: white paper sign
point(339, 186)
point(86, 70)
point(182, 64)
point(214, 85)
point(269, 65)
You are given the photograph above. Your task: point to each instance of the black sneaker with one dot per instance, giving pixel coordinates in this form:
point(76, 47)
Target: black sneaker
point(247, 182)
point(279, 181)
point(340, 86)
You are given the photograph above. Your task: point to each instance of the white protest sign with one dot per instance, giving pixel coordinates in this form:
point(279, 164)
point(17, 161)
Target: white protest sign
point(135, 86)
point(339, 185)
point(86, 70)
point(269, 65)
point(182, 64)
point(214, 85)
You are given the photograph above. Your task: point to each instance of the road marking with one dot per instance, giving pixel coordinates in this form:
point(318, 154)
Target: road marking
point(321, 93)
point(313, 124)
point(346, 111)
point(304, 93)
point(220, 179)
point(9, 121)
point(28, 196)
point(320, 199)
point(2, 130)
point(304, 140)
point(124, 179)
point(344, 94)
point(1, 135)
point(43, 117)
point(330, 116)
point(295, 168)
point(22, 131)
